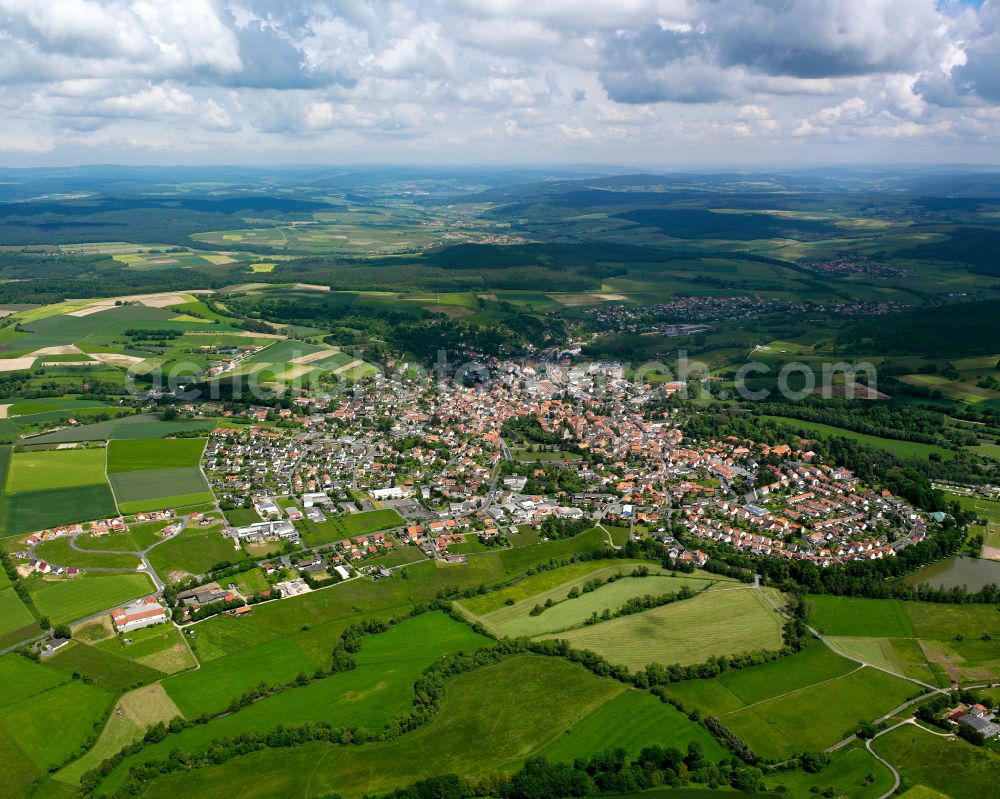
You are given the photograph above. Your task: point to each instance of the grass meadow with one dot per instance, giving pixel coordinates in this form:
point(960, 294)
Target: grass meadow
point(519, 559)
point(717, 622)
point(848, 775)
point(516, 620)
point(52, 725)
point(631, 720)
point(734, 690)
point(16, 621)
point(490, 719)
point(337, 528)
point(903, 449)
point(135, 539)
point(67, 600)
point(140, 709)
point(59, 551)
point(55, 469)
point(211, 688)
point(952, 767)
point(127, 455)
point(837, 615)
point(814, 718)
point(369, 696)
point(158, 647)
point(193, 551)
point(106, 669)
point(549, 581)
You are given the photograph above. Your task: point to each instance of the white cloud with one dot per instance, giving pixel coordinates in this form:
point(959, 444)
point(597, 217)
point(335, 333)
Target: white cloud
point(460, 77)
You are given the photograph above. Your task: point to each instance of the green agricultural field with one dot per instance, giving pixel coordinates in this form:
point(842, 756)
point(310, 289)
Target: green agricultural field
point(159, 647)
point(127, 455)
point(50, 487)
point(849, 775)
point(932, 642)
point(899, 655)
point(23, 679)
point(16, 621)
point(552, 580)
point(341, 605)
point(105, 669)
point(369, 696)
point(68, 600)
point(815, 718)
point(954, 768)
point(922, 792)
point(48, 469)
point(156, 489)
point(135, 539)
point(29, 511)
point(337, 528)
point(517, 620)
point(490, 719)
point(211, 688)
point(632, 720)
point(55, 724)
point(718, 622)
point(520, 559)
point(837, 615)
point(734, 690)
point(942, 621)
point(60, 552)
point(193, 551)
point(140, 709)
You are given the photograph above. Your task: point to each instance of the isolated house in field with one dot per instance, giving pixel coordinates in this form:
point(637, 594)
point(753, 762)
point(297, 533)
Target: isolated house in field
point(143, 613)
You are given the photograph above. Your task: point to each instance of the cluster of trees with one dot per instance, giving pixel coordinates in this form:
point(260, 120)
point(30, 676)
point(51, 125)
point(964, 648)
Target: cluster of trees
point(961, 330)
point(885, 419)
point(609, 772)
point(26, 385)
point(553, 527)
point(528, 428)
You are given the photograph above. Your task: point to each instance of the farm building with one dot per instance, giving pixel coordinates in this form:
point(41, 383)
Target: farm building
point(203, 595)
point(143, 613)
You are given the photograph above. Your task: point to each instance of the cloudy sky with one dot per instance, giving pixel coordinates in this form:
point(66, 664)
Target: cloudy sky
point(643, 82)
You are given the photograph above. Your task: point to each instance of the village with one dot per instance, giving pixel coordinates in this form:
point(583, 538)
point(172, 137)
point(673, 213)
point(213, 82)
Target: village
point(336, 488)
